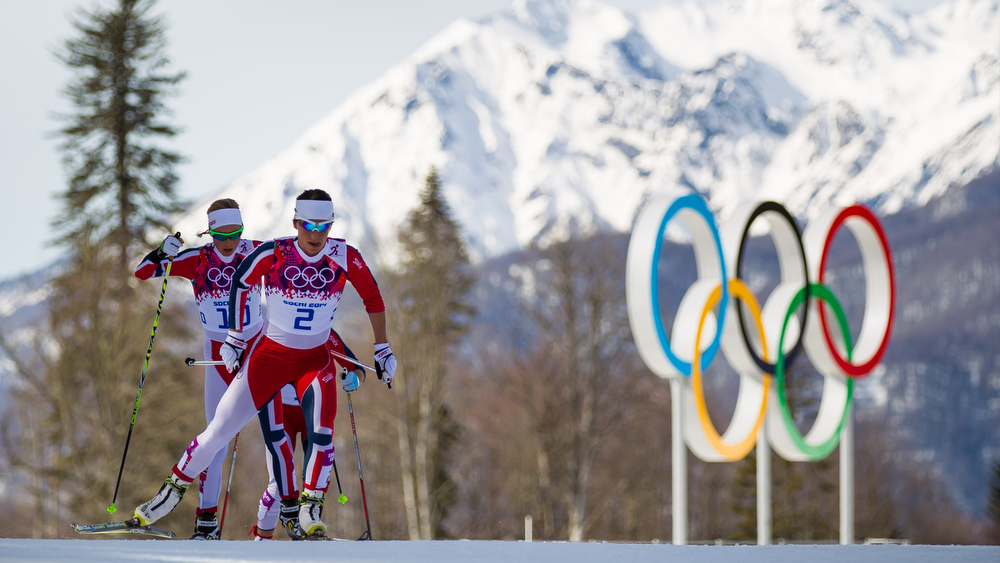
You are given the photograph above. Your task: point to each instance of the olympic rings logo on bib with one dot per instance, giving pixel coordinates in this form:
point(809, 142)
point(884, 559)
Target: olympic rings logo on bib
point(759, 342)
point(309, 276)
point(221, 278)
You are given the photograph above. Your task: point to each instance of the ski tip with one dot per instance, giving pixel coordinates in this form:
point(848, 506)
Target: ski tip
point(111, 509)
point(342, 499)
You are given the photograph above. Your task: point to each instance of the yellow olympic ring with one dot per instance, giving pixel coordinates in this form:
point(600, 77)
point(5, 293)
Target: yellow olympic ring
point(728, 447)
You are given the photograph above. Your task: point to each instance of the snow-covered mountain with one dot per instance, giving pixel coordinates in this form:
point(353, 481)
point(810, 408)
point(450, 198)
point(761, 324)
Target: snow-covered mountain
point(560, 115)
point(899, 109)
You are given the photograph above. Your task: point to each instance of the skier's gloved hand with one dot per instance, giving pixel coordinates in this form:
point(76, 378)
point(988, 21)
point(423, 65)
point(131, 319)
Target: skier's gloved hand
point(171, 245)
point(232, 352)
point(385, 363)
point(349, 379)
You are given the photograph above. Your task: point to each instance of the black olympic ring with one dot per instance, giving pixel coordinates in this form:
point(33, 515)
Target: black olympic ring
point(784, 231)
point(302, 278)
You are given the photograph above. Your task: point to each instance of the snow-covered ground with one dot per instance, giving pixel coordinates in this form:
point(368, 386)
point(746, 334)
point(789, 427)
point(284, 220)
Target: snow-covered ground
point(100, 551)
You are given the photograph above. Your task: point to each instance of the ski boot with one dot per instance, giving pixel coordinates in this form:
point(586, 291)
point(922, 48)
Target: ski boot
point(166, 499)
point(206, 526)
point(289, 517)
point(310, 511)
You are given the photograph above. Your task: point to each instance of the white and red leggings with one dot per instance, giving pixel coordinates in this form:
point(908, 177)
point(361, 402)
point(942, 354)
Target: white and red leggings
point(269, 367)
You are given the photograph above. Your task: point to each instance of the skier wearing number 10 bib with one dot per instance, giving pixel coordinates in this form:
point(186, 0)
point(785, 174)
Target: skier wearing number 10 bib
point(304, 278)
point(282, 421)
point(211, 269)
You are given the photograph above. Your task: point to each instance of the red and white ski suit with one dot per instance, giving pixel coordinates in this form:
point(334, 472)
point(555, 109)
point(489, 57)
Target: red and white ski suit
point(302, 297)
point(211, 275)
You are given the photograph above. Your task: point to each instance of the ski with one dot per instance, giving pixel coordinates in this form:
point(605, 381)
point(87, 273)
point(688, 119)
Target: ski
point(321, 536)
point(122, 527)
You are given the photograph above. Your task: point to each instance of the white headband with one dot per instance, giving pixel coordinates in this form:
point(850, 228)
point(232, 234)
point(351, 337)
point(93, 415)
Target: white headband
point(222, 217)
point(313, 210)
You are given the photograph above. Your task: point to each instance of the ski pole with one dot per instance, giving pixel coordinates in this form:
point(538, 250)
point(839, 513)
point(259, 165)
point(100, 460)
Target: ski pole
point(142, 379)
point(342, 499)
point(350, 407)
point(350, 359)
point(229, 483)
point(192, 362)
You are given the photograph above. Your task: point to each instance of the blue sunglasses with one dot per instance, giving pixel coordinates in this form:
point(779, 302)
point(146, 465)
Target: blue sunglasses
point(315, 226)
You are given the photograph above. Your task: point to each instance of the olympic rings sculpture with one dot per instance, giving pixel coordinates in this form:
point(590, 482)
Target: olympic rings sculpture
point(792, 320)
point(309, 276)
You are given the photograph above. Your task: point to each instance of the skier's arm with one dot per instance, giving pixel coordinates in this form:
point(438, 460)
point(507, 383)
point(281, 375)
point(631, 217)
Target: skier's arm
point(378, 327)
point(154, 264)
point(361, 278)
point(364, 282)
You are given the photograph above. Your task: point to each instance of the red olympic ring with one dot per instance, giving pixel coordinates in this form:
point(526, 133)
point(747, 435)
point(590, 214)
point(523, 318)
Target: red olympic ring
point(868, 231)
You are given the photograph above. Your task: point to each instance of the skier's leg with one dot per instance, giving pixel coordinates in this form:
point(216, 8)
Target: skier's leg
point(280, 461)
point(295, 428)
point(267, 513)
point(318, 394)
point(234, 410)
point(319, 408)
point(210, 480)
point(280, 466)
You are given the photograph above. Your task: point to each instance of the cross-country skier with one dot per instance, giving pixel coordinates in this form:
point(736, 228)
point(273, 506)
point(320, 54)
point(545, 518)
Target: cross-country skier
point(211, 268)
point(304, 277)
point(282, 422)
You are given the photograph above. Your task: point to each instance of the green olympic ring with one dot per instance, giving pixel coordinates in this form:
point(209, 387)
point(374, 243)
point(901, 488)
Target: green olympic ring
point(818, 451)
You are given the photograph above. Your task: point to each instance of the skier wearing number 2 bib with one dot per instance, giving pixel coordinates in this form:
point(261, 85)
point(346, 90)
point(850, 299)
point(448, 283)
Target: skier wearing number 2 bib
point(211, 269)
point(304, 278)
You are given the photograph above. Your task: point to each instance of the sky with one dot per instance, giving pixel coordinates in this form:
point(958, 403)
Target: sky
point(258, 77)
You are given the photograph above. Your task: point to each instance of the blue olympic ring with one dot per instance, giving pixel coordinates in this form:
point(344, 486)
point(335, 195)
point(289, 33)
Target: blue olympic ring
point(694, 203)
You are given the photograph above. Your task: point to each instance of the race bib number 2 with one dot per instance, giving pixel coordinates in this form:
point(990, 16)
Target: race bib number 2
point(303, 317)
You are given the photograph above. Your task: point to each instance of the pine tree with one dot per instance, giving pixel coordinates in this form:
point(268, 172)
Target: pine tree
point(121, 183)
point(432, 316)
point(804, 494)
point(77, 381)
point(744, 497)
